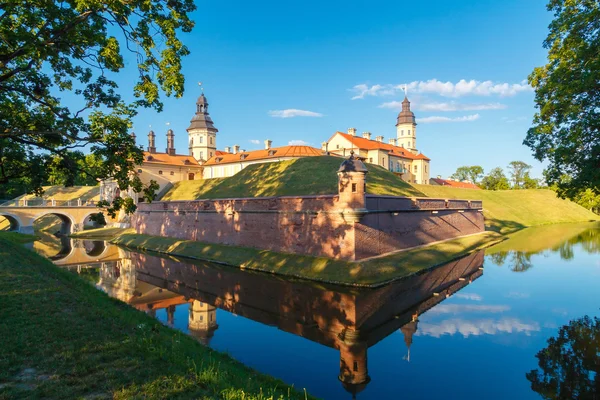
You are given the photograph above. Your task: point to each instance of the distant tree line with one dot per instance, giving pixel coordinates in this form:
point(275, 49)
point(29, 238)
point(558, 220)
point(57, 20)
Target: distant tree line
point(519, 178)
point(496, 179)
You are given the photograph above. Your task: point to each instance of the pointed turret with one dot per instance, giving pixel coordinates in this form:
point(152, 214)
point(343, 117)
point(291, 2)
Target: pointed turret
point(202, 134)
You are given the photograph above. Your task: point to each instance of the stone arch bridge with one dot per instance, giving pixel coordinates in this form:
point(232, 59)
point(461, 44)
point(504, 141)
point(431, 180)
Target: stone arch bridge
point(21, 214)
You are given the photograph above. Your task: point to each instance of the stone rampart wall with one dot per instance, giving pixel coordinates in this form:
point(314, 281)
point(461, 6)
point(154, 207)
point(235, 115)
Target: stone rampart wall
point(312, 225)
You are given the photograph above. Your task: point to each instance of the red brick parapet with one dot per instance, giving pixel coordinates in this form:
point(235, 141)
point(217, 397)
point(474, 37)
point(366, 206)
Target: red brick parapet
point(313, 225)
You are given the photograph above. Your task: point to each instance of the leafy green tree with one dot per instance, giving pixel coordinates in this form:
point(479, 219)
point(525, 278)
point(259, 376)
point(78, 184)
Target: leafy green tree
point(529, 182)
point(569, 367)
point(566, 128)
point(518, 170)
point(495, 180)
point(49, 47)
point(589, 199)
point(468, 173)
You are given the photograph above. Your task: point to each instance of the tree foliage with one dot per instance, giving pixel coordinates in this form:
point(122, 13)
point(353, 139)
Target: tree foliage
point(49, 48)
point(468, 173)
point(495, 180)
point(518, 171)
point(566, 127)
point(569, 367)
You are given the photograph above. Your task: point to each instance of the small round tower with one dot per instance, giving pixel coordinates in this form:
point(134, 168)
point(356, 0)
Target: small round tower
point(352, 187)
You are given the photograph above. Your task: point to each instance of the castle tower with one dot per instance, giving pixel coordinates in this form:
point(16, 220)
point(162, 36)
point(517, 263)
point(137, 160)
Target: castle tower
point(202, 133)
point(202, 322)
point(170, 143)
point(406, 128)
point(352, 187)
point(151, 142)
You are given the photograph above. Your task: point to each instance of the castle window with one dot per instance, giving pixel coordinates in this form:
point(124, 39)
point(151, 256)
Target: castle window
point(354, 188)
point(426, 169)
point(371, 160)
point(201, 318)
point(172, 173)
point(200, 139)
point(211, 140)
point(160, 172)
point(201, 155)
point(210, 153)
point(382, 161)
point(402, 132)
point(337, 146)
point(409, 132)
point(415, 168)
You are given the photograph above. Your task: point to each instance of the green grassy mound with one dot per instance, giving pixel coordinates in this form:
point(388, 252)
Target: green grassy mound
point(510, 210)
point(300, 177)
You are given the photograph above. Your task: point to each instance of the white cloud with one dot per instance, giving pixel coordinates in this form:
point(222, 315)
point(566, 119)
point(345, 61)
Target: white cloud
point(254, 141)
point(477, 327)
point(292, 112)
point(298, 143)
point(463, 308)
point(468, 296)
point(438, 119)
point(446, 89)
point(443, 107)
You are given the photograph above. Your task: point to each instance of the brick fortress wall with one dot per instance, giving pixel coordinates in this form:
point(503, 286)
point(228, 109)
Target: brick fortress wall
point(313, 225)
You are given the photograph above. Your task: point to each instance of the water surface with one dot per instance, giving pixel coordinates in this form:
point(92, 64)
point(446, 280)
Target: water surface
point(469, 329)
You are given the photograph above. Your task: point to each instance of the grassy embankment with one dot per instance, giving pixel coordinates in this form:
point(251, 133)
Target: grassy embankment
point(301, 177)
point(62, 338)
point(369, 273)
point(507, 211)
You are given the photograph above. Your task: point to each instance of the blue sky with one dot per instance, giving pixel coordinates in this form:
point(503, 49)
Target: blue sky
point(258, 59)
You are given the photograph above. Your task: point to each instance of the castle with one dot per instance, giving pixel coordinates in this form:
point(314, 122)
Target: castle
point(399, 155)
point(204, 161)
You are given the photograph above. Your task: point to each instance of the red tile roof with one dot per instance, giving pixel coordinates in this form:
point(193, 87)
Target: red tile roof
point(368, 144)
point(164, 158)
point(274, 152)
point(457, 184)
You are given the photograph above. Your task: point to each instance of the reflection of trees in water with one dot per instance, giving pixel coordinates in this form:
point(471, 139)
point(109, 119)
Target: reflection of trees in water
point(520, 261)
point(569, 368)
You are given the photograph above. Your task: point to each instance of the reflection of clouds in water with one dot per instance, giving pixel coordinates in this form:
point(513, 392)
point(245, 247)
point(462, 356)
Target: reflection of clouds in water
point(517, 295)
point(462, 308)
point(469, 296)
point(477, 327)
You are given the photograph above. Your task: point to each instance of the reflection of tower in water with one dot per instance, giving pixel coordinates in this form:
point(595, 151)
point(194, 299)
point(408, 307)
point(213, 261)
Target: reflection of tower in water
point(118, 279)
point(408, 331)
point(202, 321)
point(353, 362)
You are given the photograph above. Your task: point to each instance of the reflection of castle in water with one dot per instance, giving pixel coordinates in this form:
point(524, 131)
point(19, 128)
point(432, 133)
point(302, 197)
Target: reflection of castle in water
point(350, 320)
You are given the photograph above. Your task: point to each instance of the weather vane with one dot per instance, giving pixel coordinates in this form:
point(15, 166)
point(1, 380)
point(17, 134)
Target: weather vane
point(405, 90)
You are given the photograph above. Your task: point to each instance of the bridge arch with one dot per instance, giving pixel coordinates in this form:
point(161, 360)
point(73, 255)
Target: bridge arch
point(68, 224)
point(94, 248)
point(13, 220)
point(87, 222)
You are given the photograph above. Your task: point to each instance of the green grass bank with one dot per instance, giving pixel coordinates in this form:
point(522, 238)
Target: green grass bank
point(62, 338)
point(300, 177)
point(369, 273)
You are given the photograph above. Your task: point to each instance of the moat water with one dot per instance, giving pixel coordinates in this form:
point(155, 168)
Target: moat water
point(467, 330)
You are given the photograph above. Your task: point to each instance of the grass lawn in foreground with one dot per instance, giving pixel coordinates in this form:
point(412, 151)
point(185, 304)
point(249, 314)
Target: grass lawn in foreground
point(371, 273)
point(62, 338)
point(300, 177)
point(510, 210)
